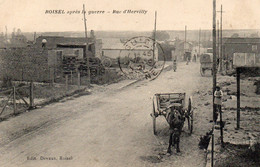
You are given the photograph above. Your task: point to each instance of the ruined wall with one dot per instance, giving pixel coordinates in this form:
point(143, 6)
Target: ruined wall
point(25, 64)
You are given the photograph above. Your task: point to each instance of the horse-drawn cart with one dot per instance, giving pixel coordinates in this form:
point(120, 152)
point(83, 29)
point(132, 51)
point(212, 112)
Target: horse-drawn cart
point(162, 102)
point(206, 62)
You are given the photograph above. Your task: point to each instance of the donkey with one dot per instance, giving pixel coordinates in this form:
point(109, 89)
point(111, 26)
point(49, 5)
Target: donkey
point(175, 117)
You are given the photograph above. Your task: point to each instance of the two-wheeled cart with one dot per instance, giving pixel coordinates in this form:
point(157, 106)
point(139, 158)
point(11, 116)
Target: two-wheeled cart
point(161, 102)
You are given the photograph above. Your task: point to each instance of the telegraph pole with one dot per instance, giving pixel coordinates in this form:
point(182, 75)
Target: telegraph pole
point(185, 38)
point(154, 35)
point(214, 55)
point(6, 33)
point(199, 41)
point(220, 63)
point(217, 48)
point(185, 35)
point(87, 56)
point(221, 47)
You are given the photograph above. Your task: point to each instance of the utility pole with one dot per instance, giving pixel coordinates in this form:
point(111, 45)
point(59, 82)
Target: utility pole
point(218, 53)
point(214, 55)
point(154, 35)
point(185, 38)
point(86, 50)
point(199, 41)
point(221, 46)
point(6, 33)
point(34, 37)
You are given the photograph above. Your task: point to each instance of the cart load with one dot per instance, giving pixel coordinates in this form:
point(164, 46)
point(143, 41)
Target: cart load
point(206, 62)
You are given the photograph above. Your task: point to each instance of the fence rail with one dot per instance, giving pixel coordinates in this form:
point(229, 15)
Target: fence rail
point(14, 96)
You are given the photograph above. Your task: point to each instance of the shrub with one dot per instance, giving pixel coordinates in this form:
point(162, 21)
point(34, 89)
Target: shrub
point(6, 81)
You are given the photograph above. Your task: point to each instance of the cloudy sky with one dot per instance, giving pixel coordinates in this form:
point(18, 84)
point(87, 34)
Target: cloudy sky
point(29, 15)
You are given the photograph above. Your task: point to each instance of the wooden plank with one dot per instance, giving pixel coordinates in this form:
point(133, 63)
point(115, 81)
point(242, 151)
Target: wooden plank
point(10, 90)
point(238, 97)
point(31, 95)
point(22, 98)
point(6, 102)
point(14, 99)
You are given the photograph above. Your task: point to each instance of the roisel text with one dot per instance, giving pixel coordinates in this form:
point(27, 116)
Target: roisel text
point(54, 12)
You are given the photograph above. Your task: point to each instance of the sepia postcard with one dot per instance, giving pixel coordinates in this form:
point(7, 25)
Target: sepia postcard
point(112, 83)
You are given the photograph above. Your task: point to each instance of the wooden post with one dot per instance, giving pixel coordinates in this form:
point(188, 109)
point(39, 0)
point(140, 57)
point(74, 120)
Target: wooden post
point(184, 45)
point(53, 76)
point(221, 47)
point(51, 70)
point(71, 78)
point(66, 81)
point(31, 95)
point(212, 150)
point(10, 96)
point(87, 56)
point(199, 41)
point(78, 79)
point(238, 97)
point(214, 55)
point(218, 47)
point(14, 99)
point(22, 73)
point(154, 35)
point(221, 127)
point(50, 75)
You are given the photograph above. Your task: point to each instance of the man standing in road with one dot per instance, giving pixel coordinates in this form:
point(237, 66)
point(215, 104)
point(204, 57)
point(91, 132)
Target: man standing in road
point(218, 102)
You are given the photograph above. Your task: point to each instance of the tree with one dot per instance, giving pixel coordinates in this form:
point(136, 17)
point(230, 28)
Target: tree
point(161, 35)
point(254, 35)
point(235, 35)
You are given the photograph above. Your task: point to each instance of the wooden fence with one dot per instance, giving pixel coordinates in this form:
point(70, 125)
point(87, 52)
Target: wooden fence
point(13, 96)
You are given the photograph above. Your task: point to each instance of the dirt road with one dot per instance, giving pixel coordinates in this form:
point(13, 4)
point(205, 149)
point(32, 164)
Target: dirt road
point(107, 128)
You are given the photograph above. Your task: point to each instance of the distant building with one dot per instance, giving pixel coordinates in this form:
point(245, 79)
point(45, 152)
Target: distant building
point(241, 51)
point(113, 48)
point(57, 42)
point(180, 48)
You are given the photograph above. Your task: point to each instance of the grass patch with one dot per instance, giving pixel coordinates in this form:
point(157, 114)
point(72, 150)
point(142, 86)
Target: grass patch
point(237, 156)
point(109, 77)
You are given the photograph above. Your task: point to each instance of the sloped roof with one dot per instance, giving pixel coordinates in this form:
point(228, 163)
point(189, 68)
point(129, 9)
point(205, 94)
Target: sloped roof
point(52, 41)
point(182, 42)
point(240, 40)
point(112, 43)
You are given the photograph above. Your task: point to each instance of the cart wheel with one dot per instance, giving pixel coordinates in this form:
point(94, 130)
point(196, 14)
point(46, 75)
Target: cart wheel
point(190, 115)
point(202, 72)
point(154, 125)
point(154, 120)
point(190, 104)
point(188, 119)
point(106, 62)
point(191, 122)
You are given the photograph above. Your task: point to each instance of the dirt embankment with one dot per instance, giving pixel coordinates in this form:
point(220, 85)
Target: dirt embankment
point(241, 148)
